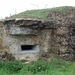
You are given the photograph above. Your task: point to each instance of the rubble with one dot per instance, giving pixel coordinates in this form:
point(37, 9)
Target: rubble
point(64, 34)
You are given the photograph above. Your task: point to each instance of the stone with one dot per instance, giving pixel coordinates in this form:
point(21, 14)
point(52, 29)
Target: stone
point(62, 31)
point(5, 55)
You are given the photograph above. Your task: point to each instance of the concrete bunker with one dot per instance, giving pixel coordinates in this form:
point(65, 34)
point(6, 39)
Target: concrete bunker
point(27, 38)
point(33, 38)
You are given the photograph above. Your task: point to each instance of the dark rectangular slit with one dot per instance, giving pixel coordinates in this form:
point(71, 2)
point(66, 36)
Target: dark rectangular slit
point(27, 47)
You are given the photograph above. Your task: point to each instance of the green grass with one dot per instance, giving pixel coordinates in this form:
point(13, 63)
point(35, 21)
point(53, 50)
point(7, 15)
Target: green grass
point(43, 13)
point(40, 67)
point(34, 13)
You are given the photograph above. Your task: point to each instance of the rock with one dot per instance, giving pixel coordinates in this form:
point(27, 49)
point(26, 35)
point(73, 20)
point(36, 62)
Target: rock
point(45, 55)
point(5, 55)
point(62, 31)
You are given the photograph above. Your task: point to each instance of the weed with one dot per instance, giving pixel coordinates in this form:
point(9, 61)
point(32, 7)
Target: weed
point(51, 51)
point(40, 67)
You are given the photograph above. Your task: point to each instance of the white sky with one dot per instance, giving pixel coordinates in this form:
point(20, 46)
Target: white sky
point(8, 7)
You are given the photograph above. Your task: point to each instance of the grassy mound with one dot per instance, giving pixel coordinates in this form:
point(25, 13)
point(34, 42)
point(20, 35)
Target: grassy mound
point(43, 13)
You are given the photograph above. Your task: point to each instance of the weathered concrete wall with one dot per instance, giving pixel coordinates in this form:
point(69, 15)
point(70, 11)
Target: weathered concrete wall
point(13, 40)
point(15, 30)
point(57, 35)
point(13, 43)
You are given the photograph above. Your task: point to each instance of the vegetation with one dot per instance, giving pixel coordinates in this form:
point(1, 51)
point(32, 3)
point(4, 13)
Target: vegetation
point(43, 13)
point(40, 67)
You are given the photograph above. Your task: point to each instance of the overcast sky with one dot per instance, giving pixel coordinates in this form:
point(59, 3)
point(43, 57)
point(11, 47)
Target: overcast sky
point(10, 7)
